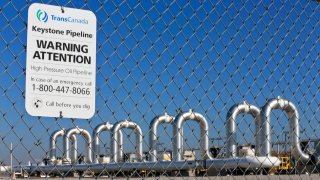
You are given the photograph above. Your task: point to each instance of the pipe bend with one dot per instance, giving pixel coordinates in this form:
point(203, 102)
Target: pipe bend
point(53, 141)
point(232, 115)
point(80, 131)
point(88, 145)
point(293, 114)
point(177, 133)
point(161, 119)
point(115, 139)
point(182, 117)
point(96, 139)
point(102, 127)
point(55, 135)
point(153, 133)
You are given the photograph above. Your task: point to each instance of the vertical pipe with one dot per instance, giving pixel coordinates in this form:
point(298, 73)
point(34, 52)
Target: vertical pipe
point(75, 147)
point(115, 143)
point(293, 115)
point(176, 150)
point(120, 149)
point(115, 139)
point(96, 140)
point(178, 137)
point(139, 140)
point(232, 126)
point(153, 134)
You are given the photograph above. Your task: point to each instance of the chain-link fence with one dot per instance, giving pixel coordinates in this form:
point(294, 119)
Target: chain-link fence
point(245, 72)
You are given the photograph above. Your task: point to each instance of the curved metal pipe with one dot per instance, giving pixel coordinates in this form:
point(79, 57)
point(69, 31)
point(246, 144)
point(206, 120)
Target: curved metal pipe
point(96, 136)
point(115, 139)
point(88, 144)
point(177, 133)
point(153, 134)
point(233, 112)
point(293, 115)
point(53, 141)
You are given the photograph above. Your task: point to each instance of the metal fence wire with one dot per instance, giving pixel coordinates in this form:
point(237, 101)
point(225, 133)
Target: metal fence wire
point(184, 89)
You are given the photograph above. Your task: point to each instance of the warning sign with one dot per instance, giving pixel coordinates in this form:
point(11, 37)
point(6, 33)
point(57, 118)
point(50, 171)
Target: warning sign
point(61, 62)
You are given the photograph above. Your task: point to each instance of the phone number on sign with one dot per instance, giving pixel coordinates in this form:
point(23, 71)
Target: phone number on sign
point(61, 89)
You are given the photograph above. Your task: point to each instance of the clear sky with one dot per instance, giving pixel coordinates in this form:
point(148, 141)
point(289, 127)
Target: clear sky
point(162, 56)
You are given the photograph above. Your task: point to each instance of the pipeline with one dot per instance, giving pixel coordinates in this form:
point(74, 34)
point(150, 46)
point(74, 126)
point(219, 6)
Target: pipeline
point(293, 115)
point(215, 164)
point(153, 134)
point(177, 133)
point(96, 136)
point(115, 167)
point(53, 142)
point(115, 141)
point(263, 158)
point(248, 162)
point(233, 112)
point(88, 144)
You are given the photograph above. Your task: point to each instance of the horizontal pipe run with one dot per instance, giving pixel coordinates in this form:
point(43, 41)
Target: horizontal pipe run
point(231, 163)
point(248, 162)
point(113, 167)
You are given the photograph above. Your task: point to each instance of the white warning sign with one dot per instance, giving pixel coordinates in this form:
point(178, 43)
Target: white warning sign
point(61, 62)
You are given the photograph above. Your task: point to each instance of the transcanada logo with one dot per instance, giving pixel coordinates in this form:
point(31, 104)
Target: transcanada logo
point(42, 16)
point(69, 19)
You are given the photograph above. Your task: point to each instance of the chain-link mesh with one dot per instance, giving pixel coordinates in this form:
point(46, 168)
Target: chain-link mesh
point(246, 73)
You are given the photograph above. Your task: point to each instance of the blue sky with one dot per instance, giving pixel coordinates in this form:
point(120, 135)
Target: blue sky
point(157, 57)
